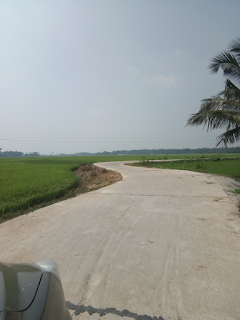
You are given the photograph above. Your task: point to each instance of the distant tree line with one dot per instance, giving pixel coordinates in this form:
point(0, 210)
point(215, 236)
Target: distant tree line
point(6, 154)
point(163, 151)
point(130, 152)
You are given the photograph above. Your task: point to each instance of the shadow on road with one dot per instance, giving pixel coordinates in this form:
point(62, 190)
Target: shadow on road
point(103, 312)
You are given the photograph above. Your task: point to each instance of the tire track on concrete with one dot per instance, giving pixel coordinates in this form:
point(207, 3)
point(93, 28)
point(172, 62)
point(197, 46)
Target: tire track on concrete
point(104, 252)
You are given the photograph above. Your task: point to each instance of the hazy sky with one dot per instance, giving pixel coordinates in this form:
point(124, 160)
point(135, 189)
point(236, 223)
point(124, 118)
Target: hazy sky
point(91, 75)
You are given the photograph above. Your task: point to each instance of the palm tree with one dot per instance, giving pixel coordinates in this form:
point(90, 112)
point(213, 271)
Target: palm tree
point(223, 110)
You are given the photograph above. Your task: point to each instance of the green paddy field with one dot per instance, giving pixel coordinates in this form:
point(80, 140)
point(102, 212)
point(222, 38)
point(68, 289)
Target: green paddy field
point(229, 166)
point(29, 183)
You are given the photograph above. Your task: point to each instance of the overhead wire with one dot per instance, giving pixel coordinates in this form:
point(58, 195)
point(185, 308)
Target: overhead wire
point(114, 140)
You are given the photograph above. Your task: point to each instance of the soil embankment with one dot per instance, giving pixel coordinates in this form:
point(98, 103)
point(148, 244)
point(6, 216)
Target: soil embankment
point(93, 177)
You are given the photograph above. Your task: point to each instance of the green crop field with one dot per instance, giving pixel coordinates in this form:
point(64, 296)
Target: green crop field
point(210, 164)
point(29, 182)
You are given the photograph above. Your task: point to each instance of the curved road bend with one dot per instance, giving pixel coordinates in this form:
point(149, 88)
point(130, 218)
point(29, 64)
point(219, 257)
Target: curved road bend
point(160, 244)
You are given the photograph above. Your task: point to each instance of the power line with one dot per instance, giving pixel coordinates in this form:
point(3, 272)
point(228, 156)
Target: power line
point(114, 141)
point(97, 138)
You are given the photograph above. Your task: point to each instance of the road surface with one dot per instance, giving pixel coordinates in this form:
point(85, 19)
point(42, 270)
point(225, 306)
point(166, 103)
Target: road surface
point(159, 243)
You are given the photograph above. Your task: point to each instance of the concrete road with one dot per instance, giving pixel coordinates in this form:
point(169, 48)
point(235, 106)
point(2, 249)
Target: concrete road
point(159, 243)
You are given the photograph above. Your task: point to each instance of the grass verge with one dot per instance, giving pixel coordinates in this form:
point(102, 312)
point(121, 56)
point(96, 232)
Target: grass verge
point(229, 167)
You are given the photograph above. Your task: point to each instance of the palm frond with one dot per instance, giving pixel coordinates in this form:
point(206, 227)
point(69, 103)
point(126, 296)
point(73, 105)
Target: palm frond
point(214, 119)
point(223, 110)
point(231, 91)
point(219, 103)
point(228, 63)
point(234, 47)
point(230, 136)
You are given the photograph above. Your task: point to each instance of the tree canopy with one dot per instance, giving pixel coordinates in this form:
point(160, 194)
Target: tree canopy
point(223, 110)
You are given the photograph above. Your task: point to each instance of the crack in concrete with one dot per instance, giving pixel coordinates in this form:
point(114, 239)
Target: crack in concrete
point(102, 312)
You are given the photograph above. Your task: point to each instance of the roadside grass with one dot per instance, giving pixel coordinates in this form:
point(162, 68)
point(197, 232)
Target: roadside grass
point(27, 184)
point(226, 167)
point(223, 166)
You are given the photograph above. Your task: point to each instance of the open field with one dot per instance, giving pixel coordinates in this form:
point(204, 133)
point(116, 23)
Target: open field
point(229, 167)
point(29, 183)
